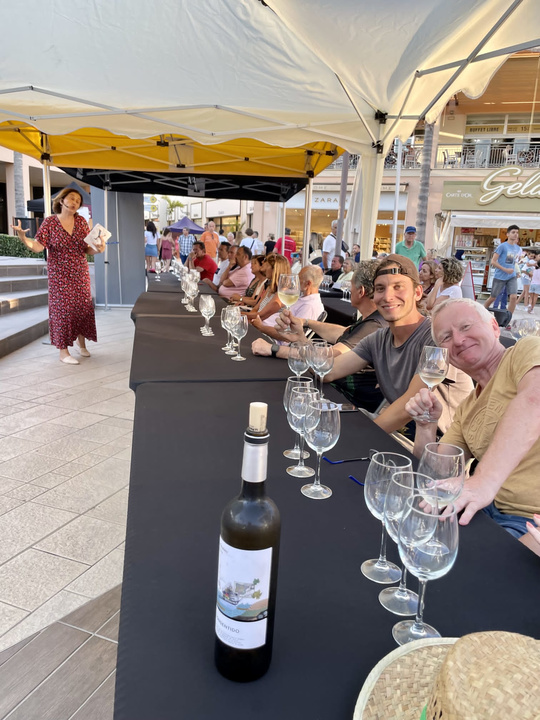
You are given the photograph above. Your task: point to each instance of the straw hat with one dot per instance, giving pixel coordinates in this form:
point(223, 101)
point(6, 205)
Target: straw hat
point(489, 675)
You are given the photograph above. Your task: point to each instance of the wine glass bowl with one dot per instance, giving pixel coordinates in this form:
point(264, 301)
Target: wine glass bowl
point(239, 330)
point(288, 291)
point(298, 361)
point(207, 307)
point(432, 369)
point(320, 356)
point(442, 467)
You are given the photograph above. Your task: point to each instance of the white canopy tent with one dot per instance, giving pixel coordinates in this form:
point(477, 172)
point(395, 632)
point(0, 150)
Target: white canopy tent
point(287, 72)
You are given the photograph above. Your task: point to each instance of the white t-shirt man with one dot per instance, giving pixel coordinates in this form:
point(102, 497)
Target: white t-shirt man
point(254, 244)
point(329, 246)
point(223, 265)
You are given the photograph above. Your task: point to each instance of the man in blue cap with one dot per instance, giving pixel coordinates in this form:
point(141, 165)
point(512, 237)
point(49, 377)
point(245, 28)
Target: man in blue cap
point(410, 247)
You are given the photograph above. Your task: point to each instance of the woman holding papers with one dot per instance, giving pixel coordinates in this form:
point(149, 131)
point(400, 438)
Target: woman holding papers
point(71, 312)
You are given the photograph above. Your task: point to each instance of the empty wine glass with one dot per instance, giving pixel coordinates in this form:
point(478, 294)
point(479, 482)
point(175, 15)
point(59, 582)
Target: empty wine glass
point(298, 361)
point(207, 306)
point(443, 471)
point(428, 545)
point(322, 428)
point(433, 369)
point(381, 469)
point(239, 330)
point(225, 316)
point(157, 268)
point(402, 486)
point(184, 281)
point(299, 401)
point(321, 359)
point(192, 290)
point(292, 382)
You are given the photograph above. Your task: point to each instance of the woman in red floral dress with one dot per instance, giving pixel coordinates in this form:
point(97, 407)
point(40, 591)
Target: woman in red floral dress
point(71, 313)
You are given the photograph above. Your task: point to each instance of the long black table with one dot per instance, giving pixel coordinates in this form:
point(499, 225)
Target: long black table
point(167, 304)
point(170, 283)
point(340, 312)
point(172, 349)
point(330, 628)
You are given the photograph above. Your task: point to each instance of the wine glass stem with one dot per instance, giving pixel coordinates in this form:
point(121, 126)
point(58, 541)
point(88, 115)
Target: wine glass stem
point(402, 589)
point(296, 442)
point(317, 481)
point(206, 324)
point(238, 347)
point(301, 448)
point(321, 378)
point(419, 619)
point(381, 562)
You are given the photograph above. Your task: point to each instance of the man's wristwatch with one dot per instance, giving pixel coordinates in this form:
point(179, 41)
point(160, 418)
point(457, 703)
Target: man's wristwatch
point(274, 349)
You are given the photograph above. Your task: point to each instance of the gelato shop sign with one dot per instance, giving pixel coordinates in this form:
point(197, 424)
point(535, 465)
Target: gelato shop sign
point(494, 185)
point(502, 190)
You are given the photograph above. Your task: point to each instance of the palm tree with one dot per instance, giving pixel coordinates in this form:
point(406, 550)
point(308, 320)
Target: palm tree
point(171, 205)
point(423, 193)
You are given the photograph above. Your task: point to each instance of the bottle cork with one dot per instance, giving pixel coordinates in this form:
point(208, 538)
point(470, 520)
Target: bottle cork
point(257, 416)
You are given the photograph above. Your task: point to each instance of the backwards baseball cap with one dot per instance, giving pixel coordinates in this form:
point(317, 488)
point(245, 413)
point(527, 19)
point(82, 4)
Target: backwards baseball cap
point(404, 267)
point(410, 228)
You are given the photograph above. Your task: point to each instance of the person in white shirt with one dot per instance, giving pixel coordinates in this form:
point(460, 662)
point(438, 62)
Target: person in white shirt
point(252, 242)
point(308, 307)
point(447, 286)
point(223, 258)
point(221, 236)
point(329, 247)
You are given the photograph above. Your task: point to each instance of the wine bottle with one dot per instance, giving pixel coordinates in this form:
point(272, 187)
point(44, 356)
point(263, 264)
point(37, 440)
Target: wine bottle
point(248, 561)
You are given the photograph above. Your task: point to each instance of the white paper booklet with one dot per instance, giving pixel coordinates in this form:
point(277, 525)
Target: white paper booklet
point(98, 232)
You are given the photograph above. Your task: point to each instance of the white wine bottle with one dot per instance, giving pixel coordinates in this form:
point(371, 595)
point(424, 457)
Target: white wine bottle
point(248, 562)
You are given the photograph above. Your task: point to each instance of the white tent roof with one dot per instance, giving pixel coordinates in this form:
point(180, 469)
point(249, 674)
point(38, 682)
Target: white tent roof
point(289, 73)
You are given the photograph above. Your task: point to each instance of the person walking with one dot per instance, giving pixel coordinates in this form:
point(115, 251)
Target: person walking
point(534, 289)
point(166, 245)
point(504, 261)
point(71, 311)
point(151, 246)
point(410, 247)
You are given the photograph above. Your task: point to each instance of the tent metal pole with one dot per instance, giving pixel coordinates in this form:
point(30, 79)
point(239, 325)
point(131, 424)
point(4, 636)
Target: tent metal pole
point(307, 223)
point(396, 196)
point(283, 213)
point(342, 201)
point(106, 254)
point(46, 188)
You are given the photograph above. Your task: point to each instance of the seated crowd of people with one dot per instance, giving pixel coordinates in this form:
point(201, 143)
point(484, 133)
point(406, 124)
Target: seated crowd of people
point(478, 407)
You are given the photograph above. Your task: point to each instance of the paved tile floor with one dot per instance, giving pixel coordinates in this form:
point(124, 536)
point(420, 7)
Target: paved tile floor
point(65, 448)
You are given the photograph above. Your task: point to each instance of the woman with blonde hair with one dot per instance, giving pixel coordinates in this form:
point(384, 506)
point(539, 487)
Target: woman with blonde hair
point(446, 286)
point(273, 266)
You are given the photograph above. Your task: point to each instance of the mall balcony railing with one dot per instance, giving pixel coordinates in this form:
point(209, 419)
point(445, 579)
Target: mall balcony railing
point(460, 157)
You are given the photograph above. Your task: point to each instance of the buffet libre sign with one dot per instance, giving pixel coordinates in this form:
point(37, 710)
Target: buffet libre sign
point(502, 190)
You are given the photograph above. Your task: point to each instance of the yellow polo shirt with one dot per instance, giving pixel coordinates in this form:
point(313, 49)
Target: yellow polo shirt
point(476, 420)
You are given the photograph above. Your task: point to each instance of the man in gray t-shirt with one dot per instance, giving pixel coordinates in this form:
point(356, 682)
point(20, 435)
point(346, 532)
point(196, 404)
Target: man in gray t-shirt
point(394, 352)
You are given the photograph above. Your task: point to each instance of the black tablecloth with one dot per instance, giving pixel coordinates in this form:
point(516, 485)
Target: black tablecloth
point(330, 628)
point(170, 283)
point(172, 349)
point(167, 304)
point(339, 311)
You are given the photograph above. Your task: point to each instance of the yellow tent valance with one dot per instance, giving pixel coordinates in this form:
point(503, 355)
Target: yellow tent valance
point(101, 149)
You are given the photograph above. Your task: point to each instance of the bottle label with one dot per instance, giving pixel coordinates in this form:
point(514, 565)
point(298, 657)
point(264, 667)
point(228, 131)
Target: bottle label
point(242, 596)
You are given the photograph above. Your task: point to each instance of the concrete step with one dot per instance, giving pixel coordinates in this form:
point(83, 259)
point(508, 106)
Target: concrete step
point(10, 267)
point(16, 301)
point(17, 329)
point(21, 283)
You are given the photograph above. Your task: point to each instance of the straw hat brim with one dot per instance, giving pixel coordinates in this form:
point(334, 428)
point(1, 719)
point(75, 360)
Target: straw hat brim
point(399, 686)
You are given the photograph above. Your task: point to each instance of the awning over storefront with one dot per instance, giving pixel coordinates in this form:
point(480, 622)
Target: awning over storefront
point(478, 220)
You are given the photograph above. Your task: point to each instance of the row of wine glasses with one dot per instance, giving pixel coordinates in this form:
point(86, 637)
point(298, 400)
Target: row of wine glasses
point(521, 327)
point(236, 326)
point(346, 290)
point(416, 510)
point(317, 355)
point(315, 421)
